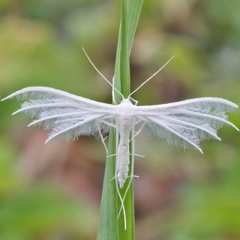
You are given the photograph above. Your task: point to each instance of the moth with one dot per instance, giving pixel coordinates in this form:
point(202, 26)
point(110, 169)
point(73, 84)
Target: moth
point(183, 123)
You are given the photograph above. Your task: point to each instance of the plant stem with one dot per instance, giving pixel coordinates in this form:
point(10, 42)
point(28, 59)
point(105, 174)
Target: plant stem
point(110, 227)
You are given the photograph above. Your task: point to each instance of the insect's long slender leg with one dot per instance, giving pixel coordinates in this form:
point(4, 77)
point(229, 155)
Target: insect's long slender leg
point(113, 126)
point(122, 205)
point(134, 100)
point(101, 136)
point(138, 155)
point(103, 140)
point(108, 123)
point(137, 133)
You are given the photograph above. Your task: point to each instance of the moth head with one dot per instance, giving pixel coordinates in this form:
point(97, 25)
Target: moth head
point(126, 101)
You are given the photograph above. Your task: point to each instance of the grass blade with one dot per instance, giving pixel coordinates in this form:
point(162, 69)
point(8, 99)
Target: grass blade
point(110, 227)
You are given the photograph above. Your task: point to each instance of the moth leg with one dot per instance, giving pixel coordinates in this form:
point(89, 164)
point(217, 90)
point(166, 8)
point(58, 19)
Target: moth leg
point(122, 208)
point(101, 136)
point(108, 124)
point(138, 155)
point(103, 140)
point(112, 155)
point(137, 133)
point(135, 101)
point(113, 178)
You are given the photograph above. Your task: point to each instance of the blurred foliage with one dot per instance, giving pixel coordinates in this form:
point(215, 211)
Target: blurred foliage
point(40, 44)
point(38, 211)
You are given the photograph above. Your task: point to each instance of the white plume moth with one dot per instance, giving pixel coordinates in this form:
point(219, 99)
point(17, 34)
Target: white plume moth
point(183, 123)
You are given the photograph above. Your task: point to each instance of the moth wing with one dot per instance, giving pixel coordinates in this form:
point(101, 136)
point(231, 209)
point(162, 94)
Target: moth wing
point(64, 113)
point(186, 123)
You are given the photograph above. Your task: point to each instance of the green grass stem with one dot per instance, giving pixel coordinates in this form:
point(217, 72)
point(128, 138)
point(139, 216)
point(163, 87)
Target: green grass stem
point(110, 227)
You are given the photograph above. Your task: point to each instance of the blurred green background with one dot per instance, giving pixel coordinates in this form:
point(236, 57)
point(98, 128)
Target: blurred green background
point(53, 191)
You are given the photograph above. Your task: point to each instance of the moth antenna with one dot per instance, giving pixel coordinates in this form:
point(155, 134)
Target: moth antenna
point(113, 91)
point(101, 73)
point(151, 76)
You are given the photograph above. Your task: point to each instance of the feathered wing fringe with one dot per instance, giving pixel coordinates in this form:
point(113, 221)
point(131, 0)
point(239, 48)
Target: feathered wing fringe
point(188, 122)
point(63, 113)
point(183, 123)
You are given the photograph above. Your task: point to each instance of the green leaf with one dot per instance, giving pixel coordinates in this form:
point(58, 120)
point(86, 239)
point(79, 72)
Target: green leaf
point(107, 228)
point(125, 41)
point(134, 10)
point(41, 209)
